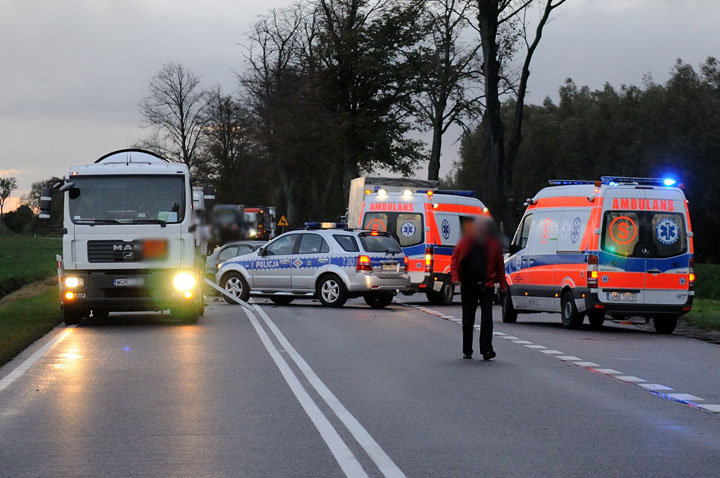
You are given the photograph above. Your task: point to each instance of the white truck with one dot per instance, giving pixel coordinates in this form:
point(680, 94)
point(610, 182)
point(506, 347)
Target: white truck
point(130, 239)
point(363, 186)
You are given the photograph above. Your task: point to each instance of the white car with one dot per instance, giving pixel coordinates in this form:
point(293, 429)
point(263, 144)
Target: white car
point(325, 261)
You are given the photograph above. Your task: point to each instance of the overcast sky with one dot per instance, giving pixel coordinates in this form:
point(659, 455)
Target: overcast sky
point(73, 71)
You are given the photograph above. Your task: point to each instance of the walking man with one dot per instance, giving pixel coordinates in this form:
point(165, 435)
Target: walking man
point(477, 264)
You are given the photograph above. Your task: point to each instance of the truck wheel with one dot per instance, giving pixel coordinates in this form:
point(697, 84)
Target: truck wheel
point(185, 313)
point(235, 284)
point(442, 297)
point(379, 300)
point(100, 314)
point(72, 315)
point(665, 325)
point(596, 319)
point(509, 314)
point(282, 300)
point(331, 291)
point(571, 318)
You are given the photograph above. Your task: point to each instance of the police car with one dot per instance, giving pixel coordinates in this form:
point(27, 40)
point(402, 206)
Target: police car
point(326, 261)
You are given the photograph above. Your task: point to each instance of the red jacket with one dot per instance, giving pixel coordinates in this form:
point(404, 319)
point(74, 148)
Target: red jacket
point(495, 263)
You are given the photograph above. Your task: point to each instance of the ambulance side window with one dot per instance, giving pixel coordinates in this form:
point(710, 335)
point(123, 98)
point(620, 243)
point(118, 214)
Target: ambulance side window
point(376, 221)
point(523, 233)
point(409, 230)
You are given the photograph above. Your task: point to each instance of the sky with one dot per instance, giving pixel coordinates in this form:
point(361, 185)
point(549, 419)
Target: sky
point(72, 72)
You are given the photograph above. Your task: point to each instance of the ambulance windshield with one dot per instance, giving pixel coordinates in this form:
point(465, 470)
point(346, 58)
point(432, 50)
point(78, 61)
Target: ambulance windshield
point(644, 234)
point(406, 228)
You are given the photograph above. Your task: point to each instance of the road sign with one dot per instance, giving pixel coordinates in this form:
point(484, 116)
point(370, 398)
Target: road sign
point(283, 222)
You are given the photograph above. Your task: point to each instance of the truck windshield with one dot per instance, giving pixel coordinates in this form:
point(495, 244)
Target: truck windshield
point(127, 199)
point(644, 234)
point(406, 228)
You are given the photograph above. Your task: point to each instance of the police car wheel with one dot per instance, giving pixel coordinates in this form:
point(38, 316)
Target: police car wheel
point(665, 325)
point(509, 314)
point(571, 318)
point(282, 300)
point(72, 315)
point(379, 300)
point(236, 285)
point(331, 291)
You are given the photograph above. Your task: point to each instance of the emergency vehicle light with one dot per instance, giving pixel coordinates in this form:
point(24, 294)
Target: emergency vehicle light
point(457, 192)
point(325, 225)
point(569, 182)
point(635, 180)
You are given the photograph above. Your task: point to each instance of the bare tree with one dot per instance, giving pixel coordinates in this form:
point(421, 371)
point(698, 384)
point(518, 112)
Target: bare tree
point(492, 17)
point(175, 108)
point(449, 74)
point(7, 186)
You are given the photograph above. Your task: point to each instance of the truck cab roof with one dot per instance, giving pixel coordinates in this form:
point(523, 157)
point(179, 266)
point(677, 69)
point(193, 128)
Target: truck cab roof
point(125, 161)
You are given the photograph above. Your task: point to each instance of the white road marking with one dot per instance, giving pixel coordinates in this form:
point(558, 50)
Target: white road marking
point(568, 358)
point(499, 333)
point(30, 361)
point(509, 337)
point(521, 342)
point(608, 371)
point(587, 364)
point(711, 408)
point(630, 378)
point(685, 397)
point(655, 387)
point(366, 441)
point(535, 346)
point(344, 457)
point(551, 352)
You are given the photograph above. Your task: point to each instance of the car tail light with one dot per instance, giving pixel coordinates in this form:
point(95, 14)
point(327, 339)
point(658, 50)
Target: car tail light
point(429, 259)
point(691, 274)
point(406, 262)
point(363, 264)
point(593, 262)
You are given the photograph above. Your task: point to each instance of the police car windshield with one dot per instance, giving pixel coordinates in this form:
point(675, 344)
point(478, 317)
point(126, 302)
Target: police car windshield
point(146, 199)
point(644, 234)
point(379, 243)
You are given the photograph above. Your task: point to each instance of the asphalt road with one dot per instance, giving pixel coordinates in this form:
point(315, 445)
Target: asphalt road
point(309, 391)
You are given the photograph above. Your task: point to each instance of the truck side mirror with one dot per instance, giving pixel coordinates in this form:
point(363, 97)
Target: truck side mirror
point(45, 204)
point(209, 197)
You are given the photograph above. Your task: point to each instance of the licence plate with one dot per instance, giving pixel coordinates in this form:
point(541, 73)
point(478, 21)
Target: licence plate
point(390, 267)
point(621, 296)
point(129, 282)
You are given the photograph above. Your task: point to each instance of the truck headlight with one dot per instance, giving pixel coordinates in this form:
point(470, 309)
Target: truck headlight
point(73, 282)
point(184, 281)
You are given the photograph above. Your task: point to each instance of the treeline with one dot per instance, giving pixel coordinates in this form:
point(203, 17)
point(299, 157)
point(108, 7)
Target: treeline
point(648, 130)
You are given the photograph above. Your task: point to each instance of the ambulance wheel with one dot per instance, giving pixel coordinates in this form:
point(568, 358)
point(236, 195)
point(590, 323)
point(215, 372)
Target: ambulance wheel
point(100, 314)
point(331, 291)
point(72, 315)
point(236, 285)
point(281, 300)
point(665, 325)
point(596, 319)
point(571, 318)
point(618, 317)
point(442, 297)
point(379, 300)
point(509, 314)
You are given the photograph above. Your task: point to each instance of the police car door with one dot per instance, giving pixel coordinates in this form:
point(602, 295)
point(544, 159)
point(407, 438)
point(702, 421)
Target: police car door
point(272, 271)
point(313, 252)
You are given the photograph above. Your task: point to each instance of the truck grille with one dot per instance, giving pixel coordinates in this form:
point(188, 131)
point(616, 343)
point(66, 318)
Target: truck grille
point(113, 251)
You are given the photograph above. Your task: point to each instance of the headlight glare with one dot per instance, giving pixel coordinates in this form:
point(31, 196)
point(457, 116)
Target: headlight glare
point(184, 281)
point(73, 282)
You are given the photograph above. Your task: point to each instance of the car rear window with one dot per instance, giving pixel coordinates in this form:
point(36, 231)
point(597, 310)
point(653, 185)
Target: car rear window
point(348, 243)
point(379, 243)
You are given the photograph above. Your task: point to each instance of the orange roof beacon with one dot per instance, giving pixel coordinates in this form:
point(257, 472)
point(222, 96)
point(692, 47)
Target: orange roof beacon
point(618, 246)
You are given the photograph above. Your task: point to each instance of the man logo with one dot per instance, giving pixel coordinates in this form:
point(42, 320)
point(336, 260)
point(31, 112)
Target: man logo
point(128, 256)
point(122, 247)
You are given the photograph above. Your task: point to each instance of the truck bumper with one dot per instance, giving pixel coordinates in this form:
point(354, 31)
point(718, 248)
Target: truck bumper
point(132, 290)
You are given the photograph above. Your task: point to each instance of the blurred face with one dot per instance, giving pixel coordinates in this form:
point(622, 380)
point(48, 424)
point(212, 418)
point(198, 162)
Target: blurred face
point(482, 229)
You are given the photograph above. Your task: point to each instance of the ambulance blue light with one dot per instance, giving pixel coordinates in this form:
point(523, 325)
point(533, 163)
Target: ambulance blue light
point(669, 182)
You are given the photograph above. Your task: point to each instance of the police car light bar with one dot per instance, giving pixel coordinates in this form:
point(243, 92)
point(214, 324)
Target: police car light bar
point(635, 180)
point(325, 225)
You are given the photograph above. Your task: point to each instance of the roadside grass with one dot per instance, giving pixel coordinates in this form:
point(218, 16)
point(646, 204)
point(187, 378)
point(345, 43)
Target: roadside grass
point(26, 319)
point(25, 259)
point(705, 314)
point(707, 285)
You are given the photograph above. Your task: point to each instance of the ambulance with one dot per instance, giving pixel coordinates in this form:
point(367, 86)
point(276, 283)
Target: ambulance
point(618, 246)
point(427, 224)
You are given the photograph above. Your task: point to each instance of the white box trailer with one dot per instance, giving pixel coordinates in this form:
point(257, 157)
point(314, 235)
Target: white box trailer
point(363, 186)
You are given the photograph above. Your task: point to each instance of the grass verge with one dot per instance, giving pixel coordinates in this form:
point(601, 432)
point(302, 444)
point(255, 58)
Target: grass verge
point(705, 314)
point(26, 319)
point(25, 259)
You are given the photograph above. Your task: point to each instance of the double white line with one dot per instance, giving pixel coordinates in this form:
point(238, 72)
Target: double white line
point(340, 450)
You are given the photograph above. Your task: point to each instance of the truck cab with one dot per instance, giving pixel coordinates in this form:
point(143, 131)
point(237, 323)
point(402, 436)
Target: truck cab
point(129, 238)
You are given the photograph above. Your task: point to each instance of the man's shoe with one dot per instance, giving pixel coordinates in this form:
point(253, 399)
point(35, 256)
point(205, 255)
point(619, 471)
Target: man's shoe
point(490, 355)
point(467, 356)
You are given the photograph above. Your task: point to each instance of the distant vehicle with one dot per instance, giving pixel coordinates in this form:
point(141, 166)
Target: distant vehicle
point(428, 225)
point(325, 261)
point(260, 223)
point(619, 246)
point(228, 251)
point(228, 223)
point(363, 186)
point(129, 241)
